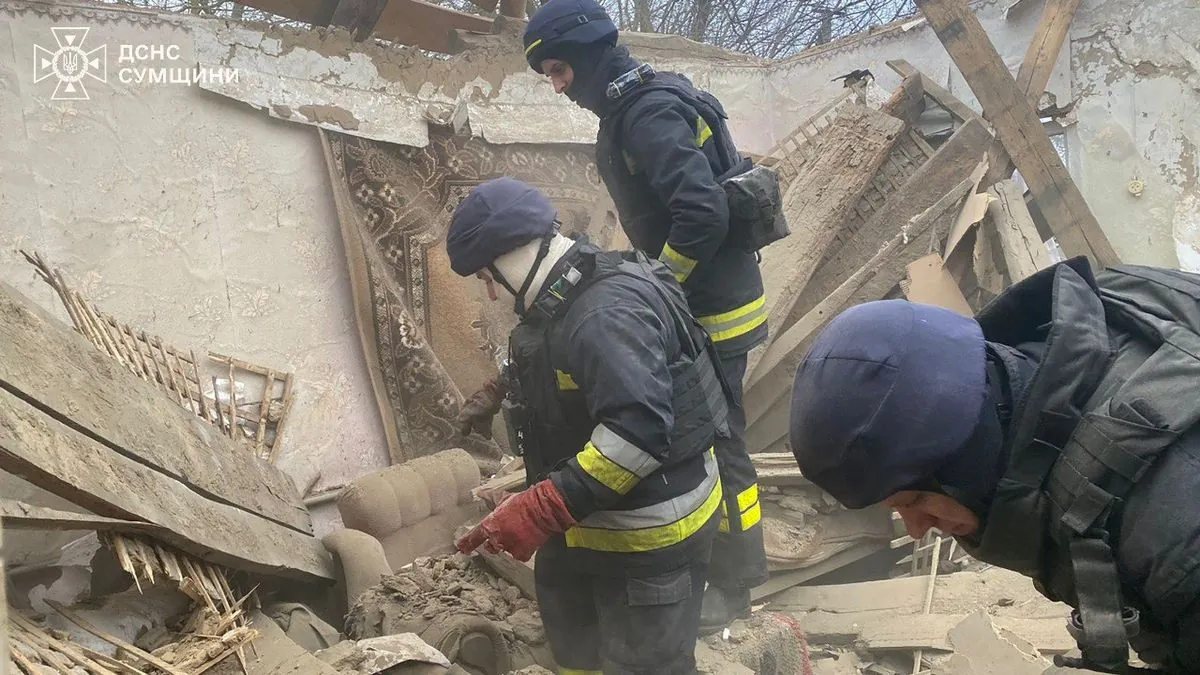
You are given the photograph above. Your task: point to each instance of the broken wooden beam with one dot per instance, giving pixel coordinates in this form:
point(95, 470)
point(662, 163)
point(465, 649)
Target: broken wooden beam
point(17, 515)
point(778, 468)
point(75, 466)
point(953, 161)
point(1034, 74)
point(937, 92)
point(767, 396)
point(908, 101)
point(63, 376)
point(943, 174)
point(820, 198)
point(1024, 252)
point(1017, 126)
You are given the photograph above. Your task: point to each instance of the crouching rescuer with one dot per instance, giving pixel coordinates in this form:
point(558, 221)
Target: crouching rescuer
point(614, 398)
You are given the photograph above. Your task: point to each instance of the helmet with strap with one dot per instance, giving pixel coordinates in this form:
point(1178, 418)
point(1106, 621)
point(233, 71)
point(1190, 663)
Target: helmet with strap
point(562, 24)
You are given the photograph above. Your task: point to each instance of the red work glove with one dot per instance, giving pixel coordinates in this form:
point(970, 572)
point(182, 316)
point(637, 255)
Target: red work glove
point(478, 410)
point(521, 524)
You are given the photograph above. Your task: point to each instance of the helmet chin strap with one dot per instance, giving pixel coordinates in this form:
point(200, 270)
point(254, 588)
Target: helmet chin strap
point(519, 295)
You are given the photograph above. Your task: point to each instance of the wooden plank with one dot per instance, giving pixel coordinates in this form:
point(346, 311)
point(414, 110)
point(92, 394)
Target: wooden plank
point(512, 570)
point(1034, 74)
point(70, 464)
point(937, 92)
point(17, 515)
point(952, 162)
point(819, 200)
point(908, 101)
point(1024, 252)
point(786, 580)
point(894, 595)
point(882, 631)
point(64, 375)
point(765, 401)
point(1017, 126)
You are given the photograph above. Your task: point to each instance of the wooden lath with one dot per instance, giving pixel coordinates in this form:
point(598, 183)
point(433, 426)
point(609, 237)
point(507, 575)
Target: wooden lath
point(796, 149)
point(258, 424)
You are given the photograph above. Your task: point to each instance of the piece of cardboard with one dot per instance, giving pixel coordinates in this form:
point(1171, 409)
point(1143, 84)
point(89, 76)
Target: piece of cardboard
point(929, 283)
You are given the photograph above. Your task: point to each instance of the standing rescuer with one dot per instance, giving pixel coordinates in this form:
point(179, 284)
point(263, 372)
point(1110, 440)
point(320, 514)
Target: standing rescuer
point(614, 400)
point(1054, 435)
point(666, 156)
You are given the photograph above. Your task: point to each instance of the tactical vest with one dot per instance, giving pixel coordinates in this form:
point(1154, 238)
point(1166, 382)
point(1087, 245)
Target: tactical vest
point(548, 416)
point(1095, 418)
point(732, 305)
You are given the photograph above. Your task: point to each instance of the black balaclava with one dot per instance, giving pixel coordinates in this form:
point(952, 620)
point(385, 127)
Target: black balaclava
point(594, 66)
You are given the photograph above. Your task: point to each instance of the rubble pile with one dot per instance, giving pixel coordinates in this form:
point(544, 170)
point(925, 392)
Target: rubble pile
point(456, 603)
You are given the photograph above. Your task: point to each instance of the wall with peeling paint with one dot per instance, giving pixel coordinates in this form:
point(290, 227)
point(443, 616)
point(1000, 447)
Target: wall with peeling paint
point(1134, 69)
point(188, 215)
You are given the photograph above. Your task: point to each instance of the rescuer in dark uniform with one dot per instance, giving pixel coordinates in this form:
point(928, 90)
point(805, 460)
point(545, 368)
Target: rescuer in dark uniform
point(663, 151)
point(1054, 435)
point(613, 397)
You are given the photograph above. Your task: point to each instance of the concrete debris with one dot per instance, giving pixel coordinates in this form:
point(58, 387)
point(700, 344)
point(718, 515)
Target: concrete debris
point(456, 604)
point(377, 655)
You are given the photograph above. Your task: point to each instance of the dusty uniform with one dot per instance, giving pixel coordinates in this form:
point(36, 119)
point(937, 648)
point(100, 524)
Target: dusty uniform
point(614, 397)
point(1098, 500)
point(662, 151)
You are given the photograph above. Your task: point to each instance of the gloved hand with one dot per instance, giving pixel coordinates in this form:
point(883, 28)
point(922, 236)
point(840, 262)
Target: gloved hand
point(522, 523)
point(478, 410)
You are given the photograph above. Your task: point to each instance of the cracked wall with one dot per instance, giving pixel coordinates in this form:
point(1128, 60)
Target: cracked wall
point(187, 215)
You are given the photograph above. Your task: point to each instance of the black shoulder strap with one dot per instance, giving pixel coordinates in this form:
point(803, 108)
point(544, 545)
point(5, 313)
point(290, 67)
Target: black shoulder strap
point(710, 111)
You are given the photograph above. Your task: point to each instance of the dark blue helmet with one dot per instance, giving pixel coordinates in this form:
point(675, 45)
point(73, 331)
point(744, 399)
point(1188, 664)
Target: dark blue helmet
point(499, 216)
point(563, 24)
point(889, 394)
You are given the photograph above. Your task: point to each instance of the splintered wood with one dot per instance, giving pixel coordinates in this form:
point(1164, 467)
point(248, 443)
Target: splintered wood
point(258, 424)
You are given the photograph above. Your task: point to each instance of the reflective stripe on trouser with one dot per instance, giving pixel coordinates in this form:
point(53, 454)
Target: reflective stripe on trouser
point(738, 559)
point(622, 623)
point(651, 527)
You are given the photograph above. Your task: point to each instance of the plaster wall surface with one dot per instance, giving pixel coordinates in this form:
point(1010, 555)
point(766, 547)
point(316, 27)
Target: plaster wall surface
point(191, 216)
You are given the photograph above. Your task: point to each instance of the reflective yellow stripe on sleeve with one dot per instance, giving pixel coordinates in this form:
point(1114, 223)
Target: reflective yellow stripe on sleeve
point(565, 381)
point(533, 45)
point(652, 527)
point(681, 265)
point(615, 462)
point(735, 322)
point(703, 132)
point(607, 472)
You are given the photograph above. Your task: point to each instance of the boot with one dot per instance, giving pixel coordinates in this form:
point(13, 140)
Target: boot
point(721, 606)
